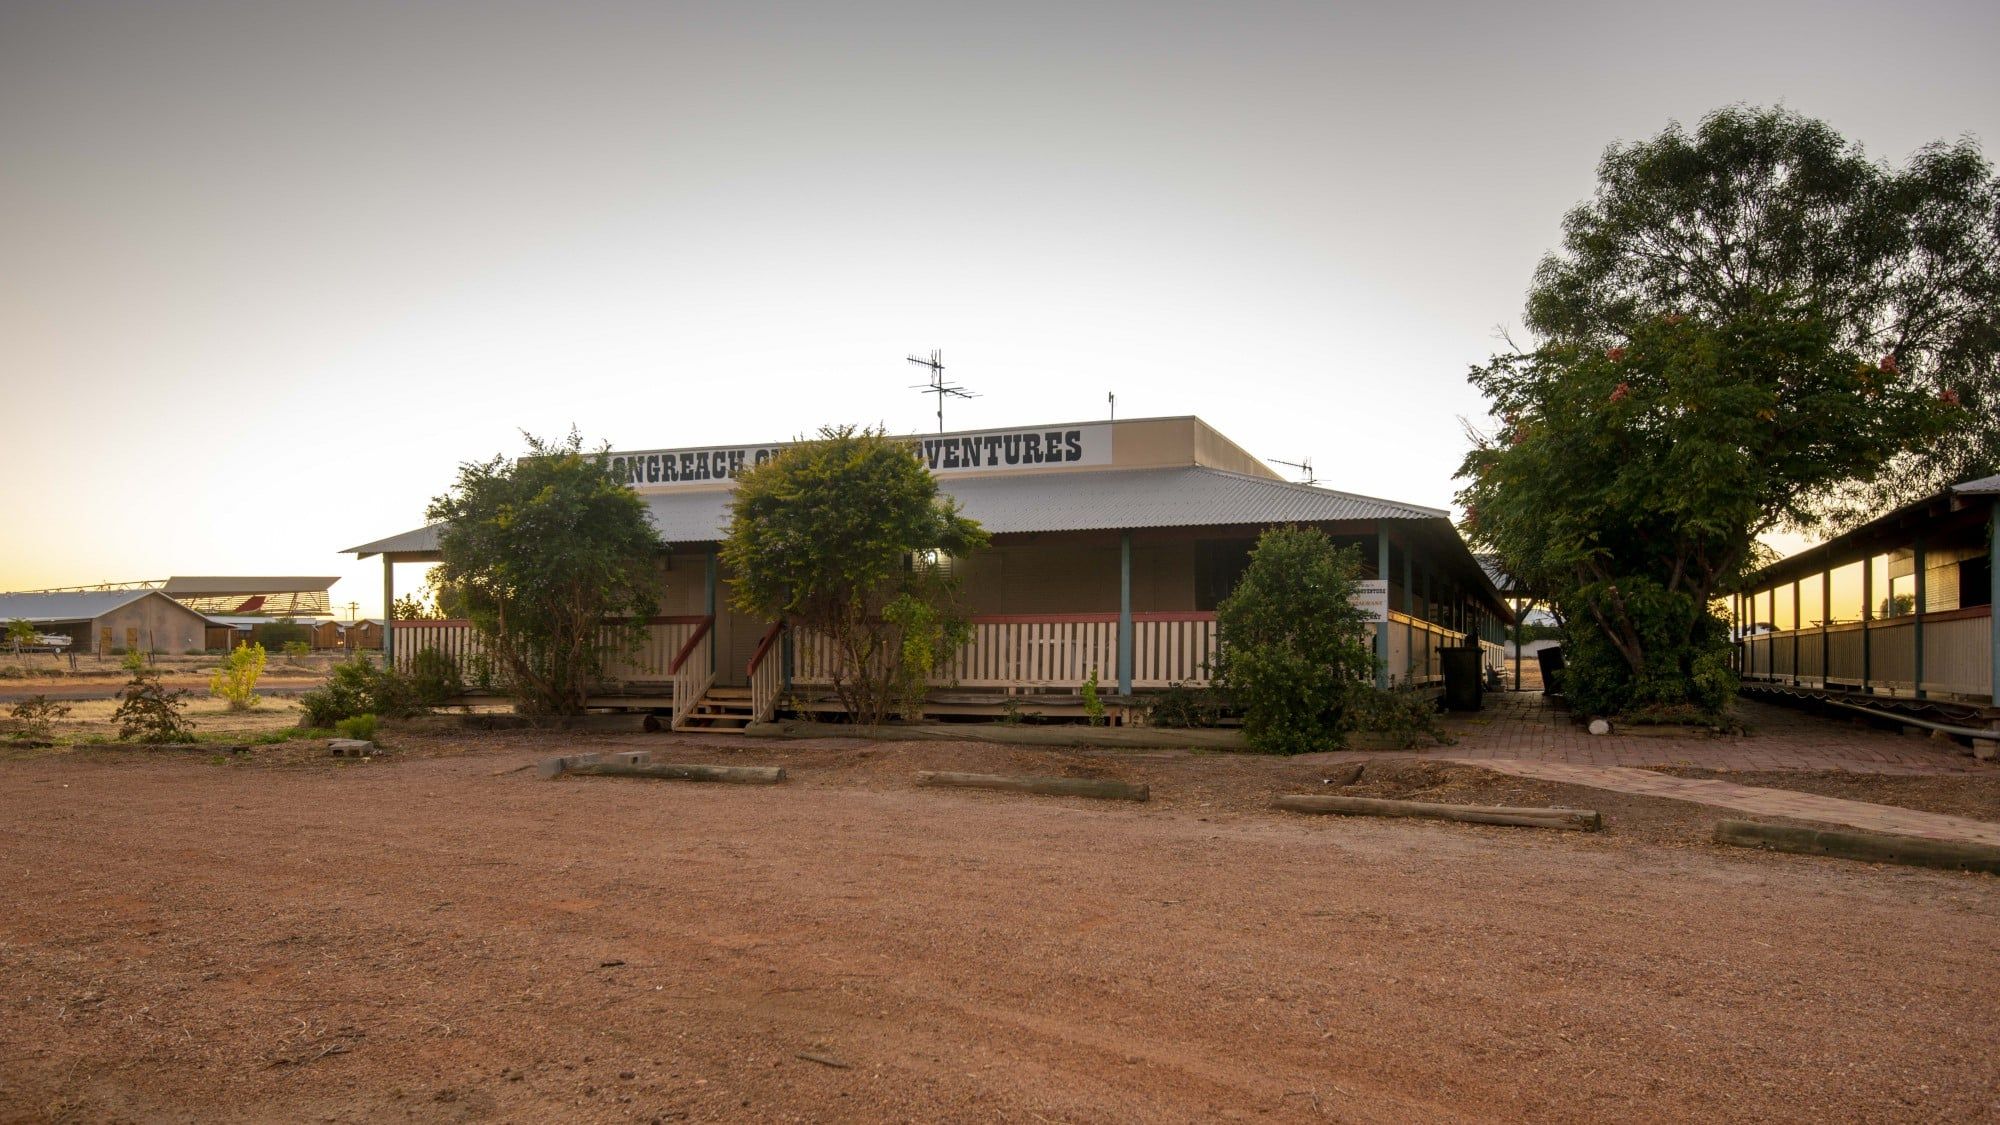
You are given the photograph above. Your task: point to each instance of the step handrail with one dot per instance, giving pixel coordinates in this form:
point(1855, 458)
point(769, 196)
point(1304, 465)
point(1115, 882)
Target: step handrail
point(687, 649)
point(763, 647)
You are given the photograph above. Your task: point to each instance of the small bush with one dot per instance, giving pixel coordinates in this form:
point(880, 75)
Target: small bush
point(1293, 644)
point(1181, 706)
point(1012, 714)
point(148, 710)
point(296, 651)
point(236, 680)
point(1093, 707)
point(434, 678)
point(38, 715)
point(133, 660)
point(357, 687)
point(1406, 713)
point(360, 727)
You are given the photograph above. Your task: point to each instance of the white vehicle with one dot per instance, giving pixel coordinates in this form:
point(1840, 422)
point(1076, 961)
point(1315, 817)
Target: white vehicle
point(47, 642)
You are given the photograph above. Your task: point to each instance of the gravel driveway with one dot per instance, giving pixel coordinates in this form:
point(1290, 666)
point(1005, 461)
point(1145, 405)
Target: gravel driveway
point(440, 939)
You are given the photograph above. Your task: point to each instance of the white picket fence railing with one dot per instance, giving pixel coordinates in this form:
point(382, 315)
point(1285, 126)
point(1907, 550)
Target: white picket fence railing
point(625, 664)
point(1881, 655)
point(1056, 651)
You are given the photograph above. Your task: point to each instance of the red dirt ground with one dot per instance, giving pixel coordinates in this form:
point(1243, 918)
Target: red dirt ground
point(444, 938)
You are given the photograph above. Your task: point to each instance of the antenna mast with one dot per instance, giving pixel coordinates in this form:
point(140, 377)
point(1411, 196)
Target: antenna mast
point(937, 386)
point(1304, 465)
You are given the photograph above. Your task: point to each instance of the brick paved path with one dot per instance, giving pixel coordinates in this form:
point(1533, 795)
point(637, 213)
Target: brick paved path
point(1764, 802)
point(1521, 727)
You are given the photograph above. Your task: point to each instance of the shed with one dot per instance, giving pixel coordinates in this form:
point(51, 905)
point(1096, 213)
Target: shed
point(110, 622)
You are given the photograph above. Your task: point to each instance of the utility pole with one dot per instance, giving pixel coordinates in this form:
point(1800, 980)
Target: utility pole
point(937, 386)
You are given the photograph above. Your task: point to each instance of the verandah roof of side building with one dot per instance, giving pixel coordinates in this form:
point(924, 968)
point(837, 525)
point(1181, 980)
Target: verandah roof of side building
point(1961, 508)
point(1185, 496)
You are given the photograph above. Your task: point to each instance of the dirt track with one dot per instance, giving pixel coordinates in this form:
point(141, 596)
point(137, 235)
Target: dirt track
point(188, 940)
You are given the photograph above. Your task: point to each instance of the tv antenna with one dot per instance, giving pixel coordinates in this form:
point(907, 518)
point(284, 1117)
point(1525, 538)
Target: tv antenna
point(1112, 398)
point(937, 386)
point(1304, 465)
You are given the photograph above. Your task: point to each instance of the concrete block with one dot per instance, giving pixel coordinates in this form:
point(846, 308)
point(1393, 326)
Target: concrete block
point(349, 747)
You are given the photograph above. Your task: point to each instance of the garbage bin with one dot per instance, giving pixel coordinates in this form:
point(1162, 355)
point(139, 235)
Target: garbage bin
point(1463, 685)
point(1551, 660)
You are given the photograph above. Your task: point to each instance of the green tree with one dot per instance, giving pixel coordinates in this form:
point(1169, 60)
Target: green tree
point(847, 536)
point(1632, 482)
point(236, 680)
point(542, 551)
point(1293, 651)
point(21, 634)
point(1762, 212)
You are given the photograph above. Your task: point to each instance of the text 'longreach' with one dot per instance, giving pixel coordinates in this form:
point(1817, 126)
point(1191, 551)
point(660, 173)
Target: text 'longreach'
point(996, 450)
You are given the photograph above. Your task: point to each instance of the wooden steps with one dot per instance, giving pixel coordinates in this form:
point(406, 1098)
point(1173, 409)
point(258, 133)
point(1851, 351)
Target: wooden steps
point(720, 708)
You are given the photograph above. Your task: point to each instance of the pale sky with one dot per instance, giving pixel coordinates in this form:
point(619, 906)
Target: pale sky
point(269, 271)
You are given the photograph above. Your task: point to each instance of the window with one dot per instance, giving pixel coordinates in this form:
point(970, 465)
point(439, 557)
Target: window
point(1975, 581)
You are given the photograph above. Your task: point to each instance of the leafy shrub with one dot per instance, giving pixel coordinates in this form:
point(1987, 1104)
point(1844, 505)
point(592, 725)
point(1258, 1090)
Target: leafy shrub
point(360, 727)
point(1292, 643)
point(236, 680)
point(1181, 706)
point(1093, 707)
point(132, 660)
point(37, 715)
point(358, 687)
point(295, 651)
point(276, 635)
point(479, 671)
point(434, 678)
point(148, 710)
point(1406, 713)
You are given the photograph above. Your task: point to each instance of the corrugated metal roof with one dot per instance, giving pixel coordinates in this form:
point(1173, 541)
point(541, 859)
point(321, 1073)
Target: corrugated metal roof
point(1982, 485)
point(1105, 499)
point(1179, 496)
point(182, 586)
point(41, 608)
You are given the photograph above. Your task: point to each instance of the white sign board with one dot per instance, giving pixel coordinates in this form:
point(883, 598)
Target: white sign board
point(986, 451)
point(1372, 598)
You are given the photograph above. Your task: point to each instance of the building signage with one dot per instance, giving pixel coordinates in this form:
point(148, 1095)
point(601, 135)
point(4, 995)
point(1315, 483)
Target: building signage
point(1040, 447)
point(1371, 597)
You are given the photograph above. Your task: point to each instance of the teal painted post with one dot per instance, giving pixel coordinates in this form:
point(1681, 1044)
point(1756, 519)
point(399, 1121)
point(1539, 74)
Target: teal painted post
point(1382, 627)
point(1917, 620)
point(1993, 600)
point(388, 611)
point(1825, 623)
point(708, 600)
point(1125, 613)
